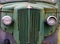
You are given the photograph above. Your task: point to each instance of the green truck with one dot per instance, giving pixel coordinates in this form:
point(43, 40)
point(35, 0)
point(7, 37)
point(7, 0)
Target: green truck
point(30, 21)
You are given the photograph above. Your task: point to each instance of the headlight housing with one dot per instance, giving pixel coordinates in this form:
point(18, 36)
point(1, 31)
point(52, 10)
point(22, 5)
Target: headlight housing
point(7, 20)
point(51, 20)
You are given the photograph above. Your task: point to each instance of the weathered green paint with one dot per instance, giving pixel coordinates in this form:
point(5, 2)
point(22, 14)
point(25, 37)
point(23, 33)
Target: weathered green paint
point(28, 27)
point(16, 31)
point(48, 30)
point(26, 32)
point(58, 5)
point(58, 9)
point(41, 32)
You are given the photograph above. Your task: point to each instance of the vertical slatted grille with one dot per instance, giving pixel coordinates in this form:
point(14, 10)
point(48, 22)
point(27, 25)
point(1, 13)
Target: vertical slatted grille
point(34, 25)
point(23, 25)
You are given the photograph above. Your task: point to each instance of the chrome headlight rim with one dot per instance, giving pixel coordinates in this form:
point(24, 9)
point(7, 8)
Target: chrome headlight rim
point(7, 20)
point(50, 18)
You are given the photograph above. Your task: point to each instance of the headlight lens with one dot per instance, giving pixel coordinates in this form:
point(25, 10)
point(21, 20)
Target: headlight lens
point(51, 20)
point(7, 20)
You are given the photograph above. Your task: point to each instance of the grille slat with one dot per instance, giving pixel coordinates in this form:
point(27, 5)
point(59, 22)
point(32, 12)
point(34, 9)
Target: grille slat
point(34, 25)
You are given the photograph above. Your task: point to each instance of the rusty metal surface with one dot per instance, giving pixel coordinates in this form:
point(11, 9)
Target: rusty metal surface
point(52, 39)
point(5, 35)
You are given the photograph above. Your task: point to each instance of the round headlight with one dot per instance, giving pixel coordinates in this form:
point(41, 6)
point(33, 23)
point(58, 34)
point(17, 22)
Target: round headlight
point(7, 20)
point(51, 20)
